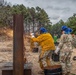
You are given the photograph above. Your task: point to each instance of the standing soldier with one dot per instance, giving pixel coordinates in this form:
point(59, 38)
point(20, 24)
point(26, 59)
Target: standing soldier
point(65, 48)
point(46, 42)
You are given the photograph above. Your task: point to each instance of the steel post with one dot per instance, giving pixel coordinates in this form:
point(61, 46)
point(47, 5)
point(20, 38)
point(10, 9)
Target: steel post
point(18, 65)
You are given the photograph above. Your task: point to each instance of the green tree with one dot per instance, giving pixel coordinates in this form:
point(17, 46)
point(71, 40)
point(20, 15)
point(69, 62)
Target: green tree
point(71, 22)
point(56, 28)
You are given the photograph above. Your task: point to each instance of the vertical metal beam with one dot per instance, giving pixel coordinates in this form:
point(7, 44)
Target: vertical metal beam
point(18, 65)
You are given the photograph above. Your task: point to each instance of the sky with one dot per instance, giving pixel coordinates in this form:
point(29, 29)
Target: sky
point(56, 9)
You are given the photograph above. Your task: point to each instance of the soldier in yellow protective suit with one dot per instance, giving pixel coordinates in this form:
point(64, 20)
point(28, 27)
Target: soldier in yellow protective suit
point(46, 42)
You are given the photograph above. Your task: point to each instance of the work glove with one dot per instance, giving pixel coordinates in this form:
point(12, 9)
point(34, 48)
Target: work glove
point(32, 35)
point(57, 50)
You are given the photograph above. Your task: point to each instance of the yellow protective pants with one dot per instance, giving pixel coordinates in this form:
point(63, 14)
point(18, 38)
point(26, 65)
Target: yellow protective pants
point(47, 62)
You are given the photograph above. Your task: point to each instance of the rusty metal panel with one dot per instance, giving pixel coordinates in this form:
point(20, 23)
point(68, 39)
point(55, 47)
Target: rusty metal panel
point(18, 65)
point(9, 71)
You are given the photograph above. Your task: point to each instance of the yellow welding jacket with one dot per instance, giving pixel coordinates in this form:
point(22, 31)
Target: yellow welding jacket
point(45, 41)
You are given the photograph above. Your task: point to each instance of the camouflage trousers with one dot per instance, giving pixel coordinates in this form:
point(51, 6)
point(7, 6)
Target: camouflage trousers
point(47, 59)
point(65, 61)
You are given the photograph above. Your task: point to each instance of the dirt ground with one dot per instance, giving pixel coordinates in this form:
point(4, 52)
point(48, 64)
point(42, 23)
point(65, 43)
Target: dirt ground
point(6, 52)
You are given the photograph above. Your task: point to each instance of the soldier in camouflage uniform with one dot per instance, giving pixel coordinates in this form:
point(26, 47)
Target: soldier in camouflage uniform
point(65, 48)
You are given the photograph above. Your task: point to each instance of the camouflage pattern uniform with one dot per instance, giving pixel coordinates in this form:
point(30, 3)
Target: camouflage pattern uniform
point(65, 52)
point(73, 57)
point(48, 56)
point(74, 42)
point(73, 62)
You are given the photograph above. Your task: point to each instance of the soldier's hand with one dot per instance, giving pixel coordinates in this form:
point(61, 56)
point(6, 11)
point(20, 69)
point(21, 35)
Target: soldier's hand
point(32, 35)
point(56, 52)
